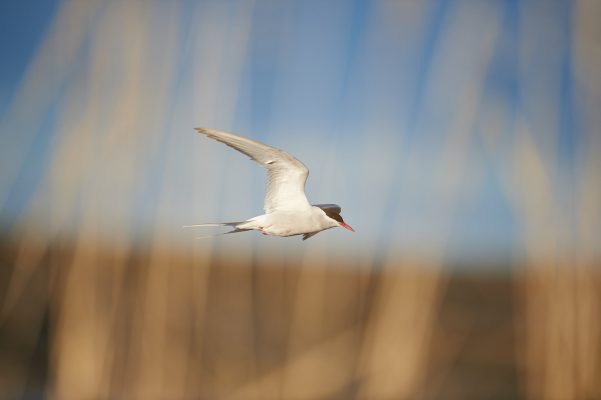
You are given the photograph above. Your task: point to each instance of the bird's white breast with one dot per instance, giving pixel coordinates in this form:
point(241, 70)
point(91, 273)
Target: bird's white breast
point(282, 223)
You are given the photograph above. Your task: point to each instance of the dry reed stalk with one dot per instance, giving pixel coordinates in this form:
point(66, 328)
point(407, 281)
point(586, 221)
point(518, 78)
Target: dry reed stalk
point(558, 290)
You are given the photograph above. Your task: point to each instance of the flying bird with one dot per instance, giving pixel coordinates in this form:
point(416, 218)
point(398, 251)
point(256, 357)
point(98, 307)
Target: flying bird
point(287, 210)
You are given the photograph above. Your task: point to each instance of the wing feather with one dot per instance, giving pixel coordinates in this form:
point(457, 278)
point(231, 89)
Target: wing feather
point(286, 176)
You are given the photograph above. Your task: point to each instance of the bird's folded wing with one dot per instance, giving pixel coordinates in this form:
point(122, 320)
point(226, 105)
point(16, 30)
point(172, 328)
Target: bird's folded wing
point(286, 175)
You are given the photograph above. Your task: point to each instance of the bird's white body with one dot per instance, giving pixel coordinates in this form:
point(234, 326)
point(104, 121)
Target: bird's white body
point(287, 210)
point(291, 223)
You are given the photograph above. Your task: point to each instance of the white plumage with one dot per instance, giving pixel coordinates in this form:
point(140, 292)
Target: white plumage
point(287, 210)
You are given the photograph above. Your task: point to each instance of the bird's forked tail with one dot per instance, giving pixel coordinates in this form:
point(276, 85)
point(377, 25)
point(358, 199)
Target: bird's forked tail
point(231, 224)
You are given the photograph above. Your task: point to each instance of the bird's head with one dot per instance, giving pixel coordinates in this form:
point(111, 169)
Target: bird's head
point(332, 211)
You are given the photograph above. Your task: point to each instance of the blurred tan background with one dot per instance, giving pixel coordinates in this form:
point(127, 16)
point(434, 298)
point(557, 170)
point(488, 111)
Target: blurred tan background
point(460, 138)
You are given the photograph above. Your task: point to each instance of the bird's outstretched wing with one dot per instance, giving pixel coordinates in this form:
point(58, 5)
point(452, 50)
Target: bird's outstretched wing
point(286, 175)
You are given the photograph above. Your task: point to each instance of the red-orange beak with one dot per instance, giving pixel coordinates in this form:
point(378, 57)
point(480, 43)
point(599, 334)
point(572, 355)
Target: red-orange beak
point(342, 224)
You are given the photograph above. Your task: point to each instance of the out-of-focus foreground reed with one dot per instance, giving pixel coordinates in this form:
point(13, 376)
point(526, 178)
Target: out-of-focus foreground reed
point(101, 299)
point(83, 321)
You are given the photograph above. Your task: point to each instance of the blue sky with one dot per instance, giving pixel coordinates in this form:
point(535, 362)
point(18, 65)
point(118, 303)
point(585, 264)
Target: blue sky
point(410, 115)
point(22, 27)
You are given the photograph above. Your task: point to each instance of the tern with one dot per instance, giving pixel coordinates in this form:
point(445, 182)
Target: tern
point(287, 210)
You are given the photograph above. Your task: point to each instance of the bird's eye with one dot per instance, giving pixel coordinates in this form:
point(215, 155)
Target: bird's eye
point(270, 162)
